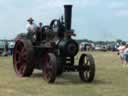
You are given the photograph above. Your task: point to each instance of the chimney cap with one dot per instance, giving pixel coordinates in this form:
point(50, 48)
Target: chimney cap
point(68, 5)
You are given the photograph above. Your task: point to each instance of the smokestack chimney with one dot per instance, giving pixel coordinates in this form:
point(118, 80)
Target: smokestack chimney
point(68, 16)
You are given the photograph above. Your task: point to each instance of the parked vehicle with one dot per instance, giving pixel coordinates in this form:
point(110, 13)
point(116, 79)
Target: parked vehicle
point(100, 48)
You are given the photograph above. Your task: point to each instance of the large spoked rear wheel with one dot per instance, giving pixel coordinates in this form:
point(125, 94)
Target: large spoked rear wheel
point(49, 67)
point(87, 68)
point(23, 58)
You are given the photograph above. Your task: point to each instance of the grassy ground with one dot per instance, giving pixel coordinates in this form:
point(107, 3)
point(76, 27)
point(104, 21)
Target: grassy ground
point(111, 80)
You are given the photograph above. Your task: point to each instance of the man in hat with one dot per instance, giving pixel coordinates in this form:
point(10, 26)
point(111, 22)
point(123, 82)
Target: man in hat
point(31, 27)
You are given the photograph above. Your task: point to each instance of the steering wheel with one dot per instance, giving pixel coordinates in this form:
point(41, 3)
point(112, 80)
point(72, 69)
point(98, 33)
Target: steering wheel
point(55, 25)
point(46, 28)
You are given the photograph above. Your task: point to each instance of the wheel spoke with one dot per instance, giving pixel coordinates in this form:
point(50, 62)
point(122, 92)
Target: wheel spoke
point(18, 63)
point(21, 69)
point(48, 71)
point(87, 62)
point(85, 74)
point(23, 57)
point(87, 71)
point(49, 67)
point(18, 57)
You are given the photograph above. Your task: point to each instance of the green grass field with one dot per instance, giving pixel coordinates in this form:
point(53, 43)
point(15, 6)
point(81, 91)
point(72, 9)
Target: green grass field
point(111, 80)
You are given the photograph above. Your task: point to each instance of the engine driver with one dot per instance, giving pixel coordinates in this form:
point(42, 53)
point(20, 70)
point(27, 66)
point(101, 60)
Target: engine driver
point(31, 26)
point(32, 29)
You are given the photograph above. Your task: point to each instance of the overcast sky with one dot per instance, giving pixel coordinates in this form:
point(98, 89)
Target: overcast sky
point(92, 19)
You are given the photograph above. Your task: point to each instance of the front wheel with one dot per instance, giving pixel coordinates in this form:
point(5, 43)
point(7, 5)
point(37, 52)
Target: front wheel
point(49, 67)
point(87, 68)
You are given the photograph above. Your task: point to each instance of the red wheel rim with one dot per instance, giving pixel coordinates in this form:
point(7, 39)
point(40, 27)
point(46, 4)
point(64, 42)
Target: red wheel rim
point(48, 68)
point(19, 58)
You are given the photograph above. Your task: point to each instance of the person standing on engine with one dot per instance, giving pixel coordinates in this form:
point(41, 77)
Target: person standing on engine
point(40, 32)
point(40, 27)
point(32, 29)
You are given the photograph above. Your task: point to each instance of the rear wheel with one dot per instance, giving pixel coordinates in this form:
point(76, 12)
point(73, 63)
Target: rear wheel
point(49, 67)
point(87, 68)
point(23, 58)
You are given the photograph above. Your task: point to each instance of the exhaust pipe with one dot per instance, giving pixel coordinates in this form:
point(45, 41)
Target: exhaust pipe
point(68, 16)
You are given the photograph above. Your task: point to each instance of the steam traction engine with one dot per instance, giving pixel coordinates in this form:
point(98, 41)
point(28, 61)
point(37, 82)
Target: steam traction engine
point(54, 53)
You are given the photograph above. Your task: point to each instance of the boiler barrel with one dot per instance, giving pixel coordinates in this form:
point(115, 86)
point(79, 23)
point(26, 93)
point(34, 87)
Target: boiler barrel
point(68, 16)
